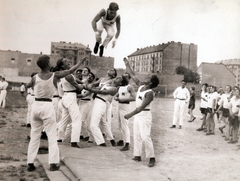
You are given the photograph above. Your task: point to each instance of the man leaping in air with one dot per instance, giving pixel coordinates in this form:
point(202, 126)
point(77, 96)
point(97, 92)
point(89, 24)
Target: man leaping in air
point(108, 18)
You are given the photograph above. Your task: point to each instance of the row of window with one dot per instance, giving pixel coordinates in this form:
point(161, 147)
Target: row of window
point(29, 61)
point(147, 56)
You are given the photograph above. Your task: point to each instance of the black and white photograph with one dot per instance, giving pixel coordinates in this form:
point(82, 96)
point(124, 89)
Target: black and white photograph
point(125, 90)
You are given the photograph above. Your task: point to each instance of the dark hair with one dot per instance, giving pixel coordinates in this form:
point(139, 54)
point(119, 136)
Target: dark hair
point(155, 81)
point(115, 73)
point(3, 78)
point(59, 65)
point(43, 61)
point(113, 6)
point(124, 81)
point(206, 84)
point(193, 88)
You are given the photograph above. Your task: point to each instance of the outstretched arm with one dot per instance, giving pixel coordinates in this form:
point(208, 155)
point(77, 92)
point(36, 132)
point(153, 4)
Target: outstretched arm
point(64, 73)
point(131, 72)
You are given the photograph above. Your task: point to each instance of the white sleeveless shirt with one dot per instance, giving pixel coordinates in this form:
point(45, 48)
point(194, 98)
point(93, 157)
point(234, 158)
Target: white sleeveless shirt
point(44, 88)
point(67, 86)
point(123, 92)
point(109, 22)
point(141, 96)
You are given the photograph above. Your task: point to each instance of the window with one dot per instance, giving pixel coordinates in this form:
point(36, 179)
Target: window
point(12, 60)
point(29, 61)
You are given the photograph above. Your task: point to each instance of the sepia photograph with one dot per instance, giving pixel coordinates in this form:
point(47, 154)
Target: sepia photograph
point(124, 90)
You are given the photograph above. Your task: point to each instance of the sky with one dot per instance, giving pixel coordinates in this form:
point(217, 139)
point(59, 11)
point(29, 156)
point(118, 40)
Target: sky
point(214, 25)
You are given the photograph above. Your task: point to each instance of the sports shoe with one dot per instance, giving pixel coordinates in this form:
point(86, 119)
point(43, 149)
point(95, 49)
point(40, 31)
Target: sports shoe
point(75, 145)
point(101, 50)
point(233, 142)
point(137, 158)
point(180, 127)
point(173, 126)
point(113, 142)
point(54, 167)
point(120, 143)
point(31, 167)
point(125, 148)
point(152, 162)
point(86, 138)
point(44, 136)
point(103, 145)
point(95, 50)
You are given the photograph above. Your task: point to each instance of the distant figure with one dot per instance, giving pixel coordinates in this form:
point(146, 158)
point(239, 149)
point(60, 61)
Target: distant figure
point(22, 89)
point(107, 18)
point(3, 94)
point(181, 97)
point(191, 104)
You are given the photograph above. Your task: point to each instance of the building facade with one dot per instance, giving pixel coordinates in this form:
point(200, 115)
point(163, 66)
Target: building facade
point(234, 66)
point(164, 58)
point(216, 74)
point(16, 66)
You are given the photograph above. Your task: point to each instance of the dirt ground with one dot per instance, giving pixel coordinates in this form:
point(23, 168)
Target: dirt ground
point(181, 154)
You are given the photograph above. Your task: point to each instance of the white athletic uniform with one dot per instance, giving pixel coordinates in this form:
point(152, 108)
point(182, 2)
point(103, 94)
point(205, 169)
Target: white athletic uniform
point(43, 116)
point(181, 96)
point(3, 95)
point(99, 108)
point(55, 102)
point(30, 99)
point(70, 112)
point(203, 103)
point(108, 25)
point(142, 127)
point(85, 107)
point(123, 109)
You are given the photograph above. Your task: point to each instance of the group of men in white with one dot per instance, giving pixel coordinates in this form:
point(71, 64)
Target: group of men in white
point(67, 102)
point(222, 106)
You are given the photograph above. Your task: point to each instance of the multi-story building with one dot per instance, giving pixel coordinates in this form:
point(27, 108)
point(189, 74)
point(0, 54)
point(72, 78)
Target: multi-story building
point(164, 58)
point(234, 66)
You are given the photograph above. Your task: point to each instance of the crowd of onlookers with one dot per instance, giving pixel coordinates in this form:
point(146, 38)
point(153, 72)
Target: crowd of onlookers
point(222, 106)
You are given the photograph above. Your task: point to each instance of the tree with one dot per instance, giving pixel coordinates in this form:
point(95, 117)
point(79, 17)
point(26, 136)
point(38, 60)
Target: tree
point(189, 75)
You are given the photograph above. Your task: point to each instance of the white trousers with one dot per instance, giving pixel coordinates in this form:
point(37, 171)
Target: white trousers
point(98, 111)
point(43, 116)
point(70, 114)
point(55, 105)
point(30, 99)
point(84, 108)
point(142, 134)
point(3, 98)
point(123, 109)
point(179, 106)
point(109, 30)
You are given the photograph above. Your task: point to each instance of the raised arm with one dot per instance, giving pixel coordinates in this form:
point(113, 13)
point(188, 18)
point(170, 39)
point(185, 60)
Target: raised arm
point(131, 72)
point(64, 73)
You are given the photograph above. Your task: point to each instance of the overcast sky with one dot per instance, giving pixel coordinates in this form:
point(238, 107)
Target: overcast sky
point(214, 25)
